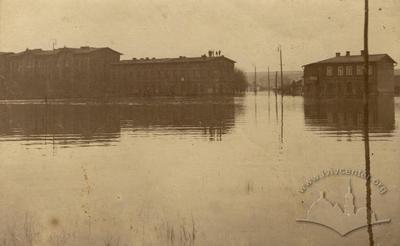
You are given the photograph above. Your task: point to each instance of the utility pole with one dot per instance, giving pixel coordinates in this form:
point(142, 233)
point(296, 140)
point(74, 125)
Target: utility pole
point(366, 126)
point(276, 82)
point(255, 79)
point(54, 43)
point(269, 83)
point(276, 96)
point(280, 58)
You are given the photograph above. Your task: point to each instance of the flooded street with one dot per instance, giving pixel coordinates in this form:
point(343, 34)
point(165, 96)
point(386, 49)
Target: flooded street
point(193, 171)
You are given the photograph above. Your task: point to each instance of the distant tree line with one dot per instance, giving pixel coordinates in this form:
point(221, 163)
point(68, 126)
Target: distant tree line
point(240, 79)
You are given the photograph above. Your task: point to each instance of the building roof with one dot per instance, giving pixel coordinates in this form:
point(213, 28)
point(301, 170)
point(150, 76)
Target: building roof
point(181, 59)
point(353, 59)
point(81, 50)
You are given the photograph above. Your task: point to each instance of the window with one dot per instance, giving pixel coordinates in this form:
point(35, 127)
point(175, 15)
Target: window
point(349, 70)
point(349, 88)
point(329, 71)
point(360, 69)
point(340, 71)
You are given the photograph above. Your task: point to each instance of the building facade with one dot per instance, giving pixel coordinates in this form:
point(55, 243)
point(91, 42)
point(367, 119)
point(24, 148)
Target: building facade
point(63, 72)
point(99, 72)
point(343, 76)
point(4, 69)
point(173, 76)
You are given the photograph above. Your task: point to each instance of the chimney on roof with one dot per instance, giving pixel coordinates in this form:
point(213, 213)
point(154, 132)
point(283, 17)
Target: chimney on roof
point(337, 54)
point(347, 53)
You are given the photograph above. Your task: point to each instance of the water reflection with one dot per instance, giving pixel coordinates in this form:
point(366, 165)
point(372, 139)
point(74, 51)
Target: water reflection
point(335, 117)
point(69, 123)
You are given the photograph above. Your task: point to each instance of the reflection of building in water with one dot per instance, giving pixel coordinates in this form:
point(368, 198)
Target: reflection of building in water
point(342, 76)
point(97, 123)
point(348, 114)
point(67, 123)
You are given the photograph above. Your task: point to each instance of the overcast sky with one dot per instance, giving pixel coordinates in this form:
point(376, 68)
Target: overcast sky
point(247, 31)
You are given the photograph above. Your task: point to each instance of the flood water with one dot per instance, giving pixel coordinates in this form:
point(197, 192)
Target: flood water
point(192, 171)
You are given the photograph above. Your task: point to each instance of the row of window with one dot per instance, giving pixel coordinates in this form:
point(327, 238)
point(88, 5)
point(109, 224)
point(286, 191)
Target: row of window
point(348, 70)
point(166, 74)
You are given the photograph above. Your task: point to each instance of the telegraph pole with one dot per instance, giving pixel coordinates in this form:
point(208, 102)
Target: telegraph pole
point(276, 96)
point(280, 58)
point(255, 79)
point(269, 83)
point(276, 82)
point(366, 126)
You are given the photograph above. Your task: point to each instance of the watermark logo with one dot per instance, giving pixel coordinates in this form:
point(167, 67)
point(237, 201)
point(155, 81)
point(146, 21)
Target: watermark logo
point(342, 172)
point(343, 221)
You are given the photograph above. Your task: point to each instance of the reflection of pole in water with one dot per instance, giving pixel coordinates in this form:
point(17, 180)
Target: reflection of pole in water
point(282, 118)
point(366, 128)
point(255, 109)
point(269, 108)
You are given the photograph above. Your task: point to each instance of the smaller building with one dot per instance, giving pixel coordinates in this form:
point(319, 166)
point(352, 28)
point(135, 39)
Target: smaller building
point(343, 76)
point(213, 74)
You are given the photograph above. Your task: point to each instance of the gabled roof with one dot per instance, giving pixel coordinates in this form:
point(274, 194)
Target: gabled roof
point(87, 49)
point(353, 59)
point(181, 59)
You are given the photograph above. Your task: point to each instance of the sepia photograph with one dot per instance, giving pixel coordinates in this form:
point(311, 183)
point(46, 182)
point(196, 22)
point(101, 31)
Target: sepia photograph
point(199, 123)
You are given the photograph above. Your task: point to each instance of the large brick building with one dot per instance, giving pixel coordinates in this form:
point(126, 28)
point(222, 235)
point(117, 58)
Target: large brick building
point(342, 76)
point(174, 76)
point(63, 72)
point(99, 72)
